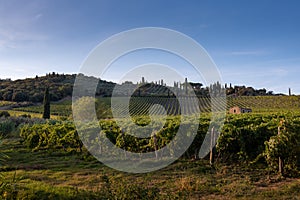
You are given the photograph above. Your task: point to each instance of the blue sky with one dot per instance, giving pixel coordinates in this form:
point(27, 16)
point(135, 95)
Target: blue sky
point(253, 43)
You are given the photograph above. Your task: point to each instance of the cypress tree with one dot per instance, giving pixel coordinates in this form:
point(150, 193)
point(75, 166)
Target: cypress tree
point(46, 113)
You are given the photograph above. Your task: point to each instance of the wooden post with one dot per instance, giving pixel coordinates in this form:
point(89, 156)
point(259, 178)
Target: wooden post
point(123, 137)
point(211, 155)
point(155, 145)
point(279, 159)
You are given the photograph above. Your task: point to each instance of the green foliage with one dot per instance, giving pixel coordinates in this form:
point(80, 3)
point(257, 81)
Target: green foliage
point(139, 106)
point(51, 135)
point(6, 126)
point(6, 103)
point(118, 189)
point(7, 186)
point(11, 125)
point(242, 139)
point(32, 89)
point(4, 114)
point(243, 136)
point(20, 96)
point(25, 115)
point(63, 109)
point(7, 95)
point(83, 108)
point(266, 104)
point(61, 175)
point(285, 145)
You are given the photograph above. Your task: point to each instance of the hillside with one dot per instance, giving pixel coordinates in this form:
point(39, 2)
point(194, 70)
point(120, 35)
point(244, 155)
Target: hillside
point(61, 86)
point(141, 105)
point(32, 89)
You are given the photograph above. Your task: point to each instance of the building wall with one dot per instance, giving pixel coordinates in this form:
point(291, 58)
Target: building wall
point(235, 110)
point(238, 110)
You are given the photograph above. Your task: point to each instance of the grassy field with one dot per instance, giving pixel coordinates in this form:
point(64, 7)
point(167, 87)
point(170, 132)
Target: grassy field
point(63, 108)
point(62, 175)
point(266, 104)
point(17, 113)
point(6, 103)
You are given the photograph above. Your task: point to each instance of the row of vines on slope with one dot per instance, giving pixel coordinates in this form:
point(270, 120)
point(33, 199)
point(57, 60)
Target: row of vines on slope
point(244, 138)
point(55, 135)
point(141, 105)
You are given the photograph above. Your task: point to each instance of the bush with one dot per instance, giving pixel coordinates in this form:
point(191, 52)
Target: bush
point(10, 124)
point(6, 127)
point(4, 114)
point(25, 115)
point(19, 96)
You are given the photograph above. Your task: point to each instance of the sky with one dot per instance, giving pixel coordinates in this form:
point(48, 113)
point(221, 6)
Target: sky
point(254, 43)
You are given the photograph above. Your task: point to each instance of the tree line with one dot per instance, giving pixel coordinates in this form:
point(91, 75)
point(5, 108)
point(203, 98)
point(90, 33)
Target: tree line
point(61, 86)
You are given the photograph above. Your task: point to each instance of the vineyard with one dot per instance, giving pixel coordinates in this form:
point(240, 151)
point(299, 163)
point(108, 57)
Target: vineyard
point(173, 106)
point(57, 108)
point(250, 144)
point(242, 139)
point(149, 100)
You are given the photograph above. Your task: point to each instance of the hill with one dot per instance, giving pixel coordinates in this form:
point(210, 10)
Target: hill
point(32, 89)
point(61, 86)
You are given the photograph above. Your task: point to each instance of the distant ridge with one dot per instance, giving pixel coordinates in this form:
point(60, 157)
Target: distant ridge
point(61, 86)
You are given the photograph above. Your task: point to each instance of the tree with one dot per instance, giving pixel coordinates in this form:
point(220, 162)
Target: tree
point(19, 96)
point(7, 95)
point(36, 97)
point(46, 113)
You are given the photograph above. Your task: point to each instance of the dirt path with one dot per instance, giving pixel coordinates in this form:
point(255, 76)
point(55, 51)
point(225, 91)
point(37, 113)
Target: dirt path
point(5, 107)
point(18, 105)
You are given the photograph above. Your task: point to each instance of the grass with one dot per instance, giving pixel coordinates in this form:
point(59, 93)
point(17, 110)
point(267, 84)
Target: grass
point(63, 175)
point(266, 104)
point(17, 113)
point(57, 108)
point(6, 103)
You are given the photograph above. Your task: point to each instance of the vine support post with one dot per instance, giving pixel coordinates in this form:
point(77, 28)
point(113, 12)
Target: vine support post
point(212, 137)
point(279, 159)
point(123, 137)
point(155, 145)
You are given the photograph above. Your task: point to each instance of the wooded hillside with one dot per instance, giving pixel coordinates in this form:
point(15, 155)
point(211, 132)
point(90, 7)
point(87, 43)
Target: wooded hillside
point(61, 86)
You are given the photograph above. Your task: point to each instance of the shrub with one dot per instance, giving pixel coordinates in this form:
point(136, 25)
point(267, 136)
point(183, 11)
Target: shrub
point(25, 115)
point(4, 114)
point(6, 126)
